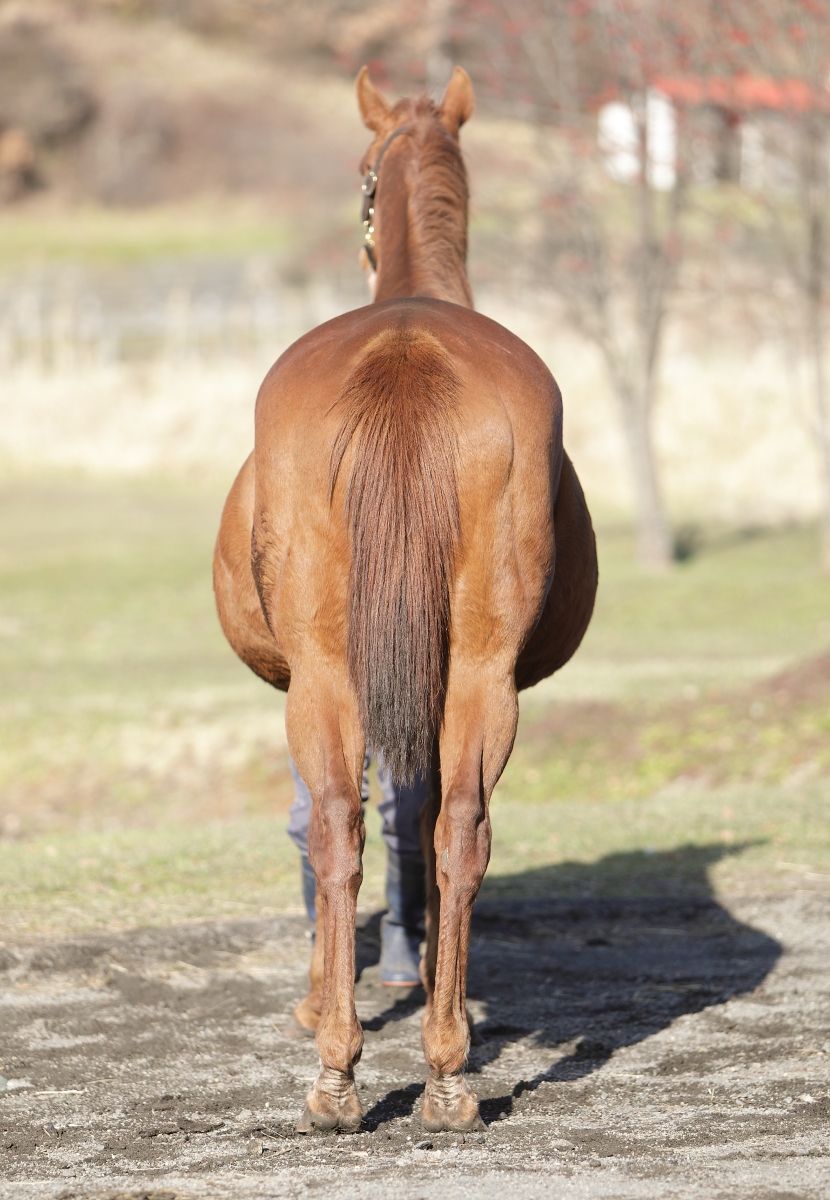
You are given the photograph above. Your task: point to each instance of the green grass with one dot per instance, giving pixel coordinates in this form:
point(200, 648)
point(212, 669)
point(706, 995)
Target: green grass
point(726, 841)
point(736, 839)
point(752, 594)
point(105, 237)
point(108, 584)
point(138, 876)
point(774, 732)
point(122, 702)
point(143, 775)
point(746, 605)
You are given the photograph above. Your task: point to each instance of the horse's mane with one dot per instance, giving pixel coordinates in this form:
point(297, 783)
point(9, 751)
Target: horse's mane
point(438, 199)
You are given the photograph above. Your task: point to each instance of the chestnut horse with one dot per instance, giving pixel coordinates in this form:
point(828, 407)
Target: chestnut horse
point(406, 547)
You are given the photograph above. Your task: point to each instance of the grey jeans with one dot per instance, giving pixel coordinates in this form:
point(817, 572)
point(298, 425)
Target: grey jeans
point(399, 807)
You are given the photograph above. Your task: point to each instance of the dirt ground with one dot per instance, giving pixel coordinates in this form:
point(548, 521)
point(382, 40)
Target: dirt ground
point(641, 1047)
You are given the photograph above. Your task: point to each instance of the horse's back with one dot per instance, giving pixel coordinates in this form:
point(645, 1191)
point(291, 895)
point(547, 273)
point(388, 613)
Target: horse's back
point(502, 378)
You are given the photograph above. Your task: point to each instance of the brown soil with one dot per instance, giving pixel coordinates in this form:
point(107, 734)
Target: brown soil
point(808, 681)
point(626, 1048)
point(762, 734)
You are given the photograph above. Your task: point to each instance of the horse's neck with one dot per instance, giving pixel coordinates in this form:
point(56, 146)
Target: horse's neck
point(410, 262)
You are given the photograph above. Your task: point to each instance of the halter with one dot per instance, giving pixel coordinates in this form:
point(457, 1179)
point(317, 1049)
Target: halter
point(369, 187)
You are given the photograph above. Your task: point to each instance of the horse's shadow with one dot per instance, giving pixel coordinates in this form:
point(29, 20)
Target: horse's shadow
point(590, 973)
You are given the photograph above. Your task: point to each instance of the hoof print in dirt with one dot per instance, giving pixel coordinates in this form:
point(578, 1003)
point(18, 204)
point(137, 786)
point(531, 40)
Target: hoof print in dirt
point(188, 1126)
point(140, 1195)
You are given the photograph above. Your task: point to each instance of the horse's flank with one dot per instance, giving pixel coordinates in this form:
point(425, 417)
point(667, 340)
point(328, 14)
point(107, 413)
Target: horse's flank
point(399, 405)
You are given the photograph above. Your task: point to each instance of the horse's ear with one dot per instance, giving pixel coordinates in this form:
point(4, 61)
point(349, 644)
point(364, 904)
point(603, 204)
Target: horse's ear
point(457, 105)
point(373, 108)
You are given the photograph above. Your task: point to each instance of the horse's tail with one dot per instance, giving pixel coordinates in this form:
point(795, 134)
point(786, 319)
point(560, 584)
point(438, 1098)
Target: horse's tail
point(401, 504)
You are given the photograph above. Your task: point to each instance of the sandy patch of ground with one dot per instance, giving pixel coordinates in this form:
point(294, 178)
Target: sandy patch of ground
point(628, 1047)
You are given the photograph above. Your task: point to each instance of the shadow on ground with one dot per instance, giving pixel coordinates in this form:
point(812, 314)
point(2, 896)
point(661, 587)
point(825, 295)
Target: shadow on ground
point(146, 1053)
point(591, 973)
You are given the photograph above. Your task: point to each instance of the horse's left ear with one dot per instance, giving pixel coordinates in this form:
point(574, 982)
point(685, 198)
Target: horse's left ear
point(374, 109)
point(457, 105)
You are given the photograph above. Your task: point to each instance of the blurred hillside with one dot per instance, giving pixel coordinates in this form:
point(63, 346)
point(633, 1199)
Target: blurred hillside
point(185, 203)
point(247, 109)
point(129, 107)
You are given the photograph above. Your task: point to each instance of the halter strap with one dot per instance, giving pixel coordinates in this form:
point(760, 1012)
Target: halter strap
point(369, 188)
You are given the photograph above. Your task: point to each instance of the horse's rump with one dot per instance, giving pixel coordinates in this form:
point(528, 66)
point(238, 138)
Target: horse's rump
point(399, 406)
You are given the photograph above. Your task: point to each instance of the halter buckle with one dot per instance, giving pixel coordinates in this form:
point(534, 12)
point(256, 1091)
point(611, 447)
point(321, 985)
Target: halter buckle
point(369, 187)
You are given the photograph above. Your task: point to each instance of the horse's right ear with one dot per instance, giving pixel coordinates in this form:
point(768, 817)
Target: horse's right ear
point(373, 108)
point(457, 104)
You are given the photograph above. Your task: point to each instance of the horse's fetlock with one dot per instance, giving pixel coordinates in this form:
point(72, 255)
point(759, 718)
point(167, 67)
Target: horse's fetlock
point(340, 1043)
point(446, 1044)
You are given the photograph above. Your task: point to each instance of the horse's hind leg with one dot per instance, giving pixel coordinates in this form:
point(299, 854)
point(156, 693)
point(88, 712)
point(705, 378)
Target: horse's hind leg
point(332, 766)
point(429, 819)
point(306, 1015)
point(479, 726)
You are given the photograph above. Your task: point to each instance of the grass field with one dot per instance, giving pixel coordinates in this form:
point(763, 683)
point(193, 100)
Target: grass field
point(98, 236)
point(143, 775)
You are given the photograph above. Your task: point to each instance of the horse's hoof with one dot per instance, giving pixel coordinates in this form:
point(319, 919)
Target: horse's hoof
point(296, 1031)
point(331, 1104)
point(449, 1104)
point(306, 1015)
point(322, 1122)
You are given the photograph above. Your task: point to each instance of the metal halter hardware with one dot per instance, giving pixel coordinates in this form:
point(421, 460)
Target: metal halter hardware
point(369, 187)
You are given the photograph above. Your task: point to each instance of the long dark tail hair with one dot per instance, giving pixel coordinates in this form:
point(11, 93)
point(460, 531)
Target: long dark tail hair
point(401, 503)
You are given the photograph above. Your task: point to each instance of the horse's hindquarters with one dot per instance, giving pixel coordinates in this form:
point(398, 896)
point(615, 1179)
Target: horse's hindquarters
point(237, 601)
point(570, 601)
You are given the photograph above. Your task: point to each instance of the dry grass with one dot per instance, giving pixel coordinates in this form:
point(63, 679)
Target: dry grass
point(143, 775)
point(773, 732)
point(733, 447)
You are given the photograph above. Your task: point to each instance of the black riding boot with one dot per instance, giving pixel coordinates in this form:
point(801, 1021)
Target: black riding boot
point(309, 889)
point(402, 928)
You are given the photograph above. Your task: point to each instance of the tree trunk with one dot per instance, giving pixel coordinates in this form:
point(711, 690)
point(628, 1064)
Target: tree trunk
point(815, 196)
point(654, 541)
point(822, 431)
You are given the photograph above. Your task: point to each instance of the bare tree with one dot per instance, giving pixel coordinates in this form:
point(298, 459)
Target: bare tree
point(613, 247)
point(615, 261)
point(789, 42)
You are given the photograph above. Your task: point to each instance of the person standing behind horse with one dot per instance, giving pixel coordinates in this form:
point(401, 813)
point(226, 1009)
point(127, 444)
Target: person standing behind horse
point(402, 928)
